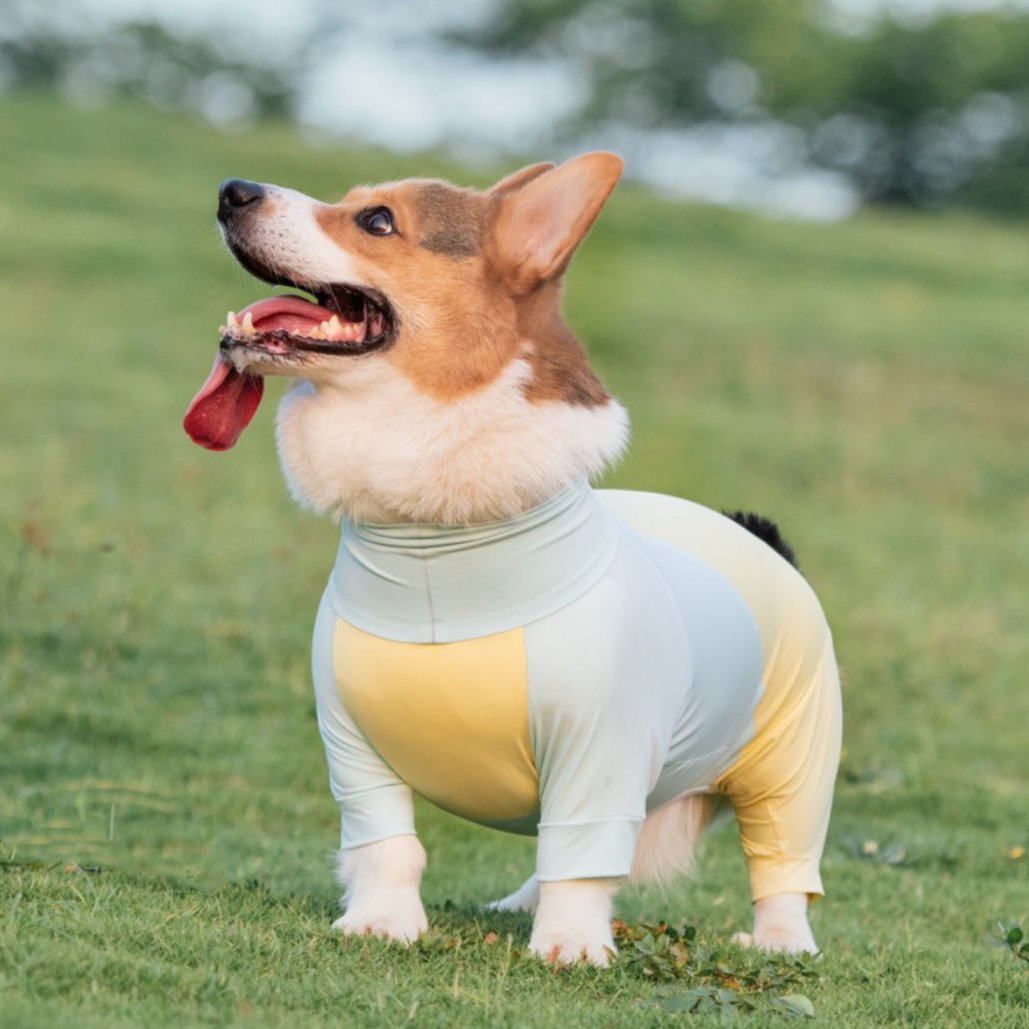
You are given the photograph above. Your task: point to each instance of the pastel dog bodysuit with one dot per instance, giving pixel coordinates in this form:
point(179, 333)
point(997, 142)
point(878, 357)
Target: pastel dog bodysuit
point(565, 672)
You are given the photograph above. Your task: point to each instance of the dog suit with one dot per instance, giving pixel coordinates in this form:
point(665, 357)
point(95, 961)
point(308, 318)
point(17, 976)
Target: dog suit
point(565, 672)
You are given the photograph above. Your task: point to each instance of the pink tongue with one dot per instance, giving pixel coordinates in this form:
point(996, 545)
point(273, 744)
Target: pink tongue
point(223, 407)
point(285, 312)
point(227, 401)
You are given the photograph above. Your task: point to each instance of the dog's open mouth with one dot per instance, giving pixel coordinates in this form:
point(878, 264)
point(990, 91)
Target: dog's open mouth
point(282, 330)
point(345, 320)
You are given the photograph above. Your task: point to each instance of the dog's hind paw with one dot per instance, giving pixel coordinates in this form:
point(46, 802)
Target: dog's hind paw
point(780, 924)
point(525, 898)
point(778, 940)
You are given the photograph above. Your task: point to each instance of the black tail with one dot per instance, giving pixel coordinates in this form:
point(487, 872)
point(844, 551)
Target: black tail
point(766, 530)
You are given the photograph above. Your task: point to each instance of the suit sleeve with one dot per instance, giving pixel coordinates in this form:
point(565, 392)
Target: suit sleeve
point(374, 802)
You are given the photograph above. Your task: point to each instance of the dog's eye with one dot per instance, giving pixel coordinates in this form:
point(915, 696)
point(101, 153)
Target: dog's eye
point(377, 221)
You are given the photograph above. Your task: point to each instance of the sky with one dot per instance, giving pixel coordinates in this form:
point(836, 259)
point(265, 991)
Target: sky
point(381, 83)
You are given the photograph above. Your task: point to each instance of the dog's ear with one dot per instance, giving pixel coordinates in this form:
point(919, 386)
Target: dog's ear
point(520, 177)
point(541, 218)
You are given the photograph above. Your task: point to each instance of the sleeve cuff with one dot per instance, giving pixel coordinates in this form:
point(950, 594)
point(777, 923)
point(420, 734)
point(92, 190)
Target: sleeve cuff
point(586, 850)
point(376, 814)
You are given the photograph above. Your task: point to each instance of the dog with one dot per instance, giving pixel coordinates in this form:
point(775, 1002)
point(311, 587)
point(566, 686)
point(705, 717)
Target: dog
point(597, 668)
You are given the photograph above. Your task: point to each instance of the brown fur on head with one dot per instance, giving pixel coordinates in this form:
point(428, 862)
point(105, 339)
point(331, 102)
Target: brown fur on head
point(477, 381)
point(500, 285)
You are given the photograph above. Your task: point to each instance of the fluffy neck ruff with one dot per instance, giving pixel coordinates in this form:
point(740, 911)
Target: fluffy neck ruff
point(379, 450)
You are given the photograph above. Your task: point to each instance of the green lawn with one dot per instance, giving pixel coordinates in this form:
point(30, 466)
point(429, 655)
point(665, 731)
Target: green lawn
point(165, 821)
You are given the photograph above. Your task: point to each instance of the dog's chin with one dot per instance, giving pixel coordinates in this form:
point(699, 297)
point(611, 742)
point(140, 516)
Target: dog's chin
point(252, 359)
point(289, 356)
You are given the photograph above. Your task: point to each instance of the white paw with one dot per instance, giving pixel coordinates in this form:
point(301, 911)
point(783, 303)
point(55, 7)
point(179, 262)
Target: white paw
point(564, 948)
point(382, 890)
point(573, 922)
point(778, 939)
point(400, 922)
point(780, 924)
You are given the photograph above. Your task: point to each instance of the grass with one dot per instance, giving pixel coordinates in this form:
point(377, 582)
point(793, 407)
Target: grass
point(165, 821)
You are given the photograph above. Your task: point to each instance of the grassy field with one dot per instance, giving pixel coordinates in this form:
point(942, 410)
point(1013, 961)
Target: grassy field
point(165, 821)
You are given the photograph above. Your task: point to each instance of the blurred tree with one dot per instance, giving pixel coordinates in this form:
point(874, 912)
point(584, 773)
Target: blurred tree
point(145, 58)
point(934, 110)
point(913, 113)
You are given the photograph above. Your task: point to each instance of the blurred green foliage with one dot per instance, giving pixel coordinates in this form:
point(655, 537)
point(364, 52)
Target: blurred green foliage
point(172, 70)
point(914, 113)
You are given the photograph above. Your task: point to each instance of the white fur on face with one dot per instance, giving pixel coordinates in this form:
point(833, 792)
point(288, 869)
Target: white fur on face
point(287, 236)
point(370, 445)
point(382, 882)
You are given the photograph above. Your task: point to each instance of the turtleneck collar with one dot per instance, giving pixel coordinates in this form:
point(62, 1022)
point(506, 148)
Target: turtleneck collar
point(441, 584)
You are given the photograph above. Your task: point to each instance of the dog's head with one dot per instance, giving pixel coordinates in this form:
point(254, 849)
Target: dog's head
point(443, 288)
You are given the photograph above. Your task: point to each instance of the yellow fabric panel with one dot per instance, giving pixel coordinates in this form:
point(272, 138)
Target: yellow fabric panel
point(451, 719)
point(781, 786)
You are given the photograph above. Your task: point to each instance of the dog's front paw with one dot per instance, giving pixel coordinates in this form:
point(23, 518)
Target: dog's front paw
point(573, 922)
point(568, 948)
point(382, 890)
point(400, 921)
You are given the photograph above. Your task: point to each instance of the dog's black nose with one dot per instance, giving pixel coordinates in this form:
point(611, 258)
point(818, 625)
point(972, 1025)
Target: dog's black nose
point(237, 194)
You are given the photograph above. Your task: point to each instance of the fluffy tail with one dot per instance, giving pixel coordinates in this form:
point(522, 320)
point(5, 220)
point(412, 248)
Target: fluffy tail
point(765, 529)
point(668, 840)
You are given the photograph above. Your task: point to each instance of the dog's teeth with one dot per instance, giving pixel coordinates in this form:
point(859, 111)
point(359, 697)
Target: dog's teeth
point(231, 321)
point(333, 327)
point(248, 324)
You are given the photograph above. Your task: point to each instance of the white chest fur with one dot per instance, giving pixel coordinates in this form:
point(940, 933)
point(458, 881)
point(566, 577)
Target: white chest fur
point(376, 448)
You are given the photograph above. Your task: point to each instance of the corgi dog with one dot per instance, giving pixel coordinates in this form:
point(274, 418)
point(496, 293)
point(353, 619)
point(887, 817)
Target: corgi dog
point(598, 668)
